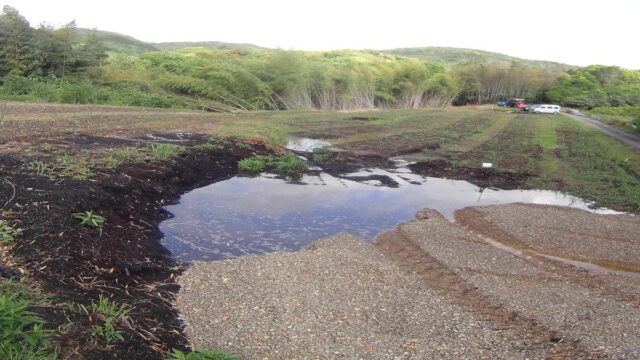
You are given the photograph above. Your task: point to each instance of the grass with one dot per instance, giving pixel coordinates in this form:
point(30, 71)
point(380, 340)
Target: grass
point(165, 151)
point(88, 218)
point(110, 314)
point(288, 165)
point(22, 335)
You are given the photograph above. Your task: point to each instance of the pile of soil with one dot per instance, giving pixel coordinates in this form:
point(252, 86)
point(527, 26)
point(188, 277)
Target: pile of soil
point(124, 260)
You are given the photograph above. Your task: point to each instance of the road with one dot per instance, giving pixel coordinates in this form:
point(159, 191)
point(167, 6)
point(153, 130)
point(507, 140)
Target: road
point(620, 135)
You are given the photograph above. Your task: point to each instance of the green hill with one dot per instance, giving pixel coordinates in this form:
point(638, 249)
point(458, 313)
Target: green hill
point(450, 55)
point(171, 46)
point(119, 43)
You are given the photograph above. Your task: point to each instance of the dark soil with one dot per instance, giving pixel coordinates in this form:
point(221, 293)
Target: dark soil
point(484, 178)
point(124, 261)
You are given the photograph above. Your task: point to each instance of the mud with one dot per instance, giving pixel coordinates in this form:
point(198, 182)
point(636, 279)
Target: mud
point(481, 177)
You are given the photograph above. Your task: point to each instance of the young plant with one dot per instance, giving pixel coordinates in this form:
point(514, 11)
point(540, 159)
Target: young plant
point(88, 218)
point(8, 233)
point(110, 313)
point(165, 151)
point(22, 335)
point(41, 168)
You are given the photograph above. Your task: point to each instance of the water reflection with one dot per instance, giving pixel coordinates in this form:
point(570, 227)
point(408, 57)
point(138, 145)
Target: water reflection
point(243, 216)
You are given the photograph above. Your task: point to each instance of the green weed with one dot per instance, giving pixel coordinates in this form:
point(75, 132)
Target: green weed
point(8, 233)
point(110, 313)
point(201, 355)
point(165, 151)
point(41, 168)
point(22, 336)
point(288, 165)
point(88, 218)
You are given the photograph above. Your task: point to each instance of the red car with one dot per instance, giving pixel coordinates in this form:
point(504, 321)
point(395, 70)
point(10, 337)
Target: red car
point(516, 103)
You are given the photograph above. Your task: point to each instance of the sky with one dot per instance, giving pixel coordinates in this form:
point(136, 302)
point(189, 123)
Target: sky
point(573, 32)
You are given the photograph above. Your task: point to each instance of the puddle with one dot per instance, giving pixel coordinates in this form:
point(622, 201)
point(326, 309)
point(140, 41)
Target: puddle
point(242, 216)
point(306, 145)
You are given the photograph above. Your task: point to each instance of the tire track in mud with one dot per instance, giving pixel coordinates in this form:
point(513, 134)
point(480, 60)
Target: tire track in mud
point(398, 247)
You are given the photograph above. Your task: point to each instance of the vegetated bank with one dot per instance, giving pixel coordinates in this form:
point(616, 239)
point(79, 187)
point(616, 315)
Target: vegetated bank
point(88, 238)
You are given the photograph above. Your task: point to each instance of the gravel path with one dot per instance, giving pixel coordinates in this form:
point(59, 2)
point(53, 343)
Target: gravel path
point(620, 135)
point(339, 299)
point(600, 323)
point(566, 232)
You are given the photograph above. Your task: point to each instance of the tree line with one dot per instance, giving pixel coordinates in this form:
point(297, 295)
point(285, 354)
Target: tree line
point(68, 64)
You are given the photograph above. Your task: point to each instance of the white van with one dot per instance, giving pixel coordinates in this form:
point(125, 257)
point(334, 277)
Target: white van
point(547, 109)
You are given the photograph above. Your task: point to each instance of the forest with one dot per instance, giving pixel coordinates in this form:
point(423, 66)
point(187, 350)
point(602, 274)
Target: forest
point(73, 65)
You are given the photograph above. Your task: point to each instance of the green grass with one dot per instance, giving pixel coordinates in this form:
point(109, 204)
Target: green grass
point(165, 151)
point(22, 335)
point(110, 314)
point(287, 165)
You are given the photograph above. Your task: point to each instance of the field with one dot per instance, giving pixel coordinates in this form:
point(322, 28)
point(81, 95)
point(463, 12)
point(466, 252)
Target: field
point(62, 164)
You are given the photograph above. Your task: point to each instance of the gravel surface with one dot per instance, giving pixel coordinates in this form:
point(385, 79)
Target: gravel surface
point(569, 232)
point(600, 323)
point(338, 299)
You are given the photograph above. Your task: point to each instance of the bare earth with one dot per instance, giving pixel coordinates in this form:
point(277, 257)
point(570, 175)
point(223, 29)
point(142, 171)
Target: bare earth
point(427, 289)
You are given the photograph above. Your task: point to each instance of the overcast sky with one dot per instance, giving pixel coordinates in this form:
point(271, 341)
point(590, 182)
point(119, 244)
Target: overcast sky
point(573, 32)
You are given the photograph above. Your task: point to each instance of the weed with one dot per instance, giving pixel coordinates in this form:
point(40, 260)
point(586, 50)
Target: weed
point(88, 218)
point(111, 162)
point(209, 146)
point(23, 336)
point(8, 233)
point(18, 290)
point(165, 151)
point(110, 313)
point(41, 168)
point(288, 165)
point(324, 155)
point(201, 355)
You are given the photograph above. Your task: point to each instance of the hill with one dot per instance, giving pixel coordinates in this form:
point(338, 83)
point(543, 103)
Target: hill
point(118, 43)
point(171, 46)
point(449, 55)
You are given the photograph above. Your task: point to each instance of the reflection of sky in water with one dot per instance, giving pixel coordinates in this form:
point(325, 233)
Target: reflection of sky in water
point(243, 216)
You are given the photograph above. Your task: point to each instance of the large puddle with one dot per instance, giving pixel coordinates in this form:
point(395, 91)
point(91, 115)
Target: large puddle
point(243, 216)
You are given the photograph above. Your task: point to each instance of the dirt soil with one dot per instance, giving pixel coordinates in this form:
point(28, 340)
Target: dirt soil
point(484, 178)
point(124, 261)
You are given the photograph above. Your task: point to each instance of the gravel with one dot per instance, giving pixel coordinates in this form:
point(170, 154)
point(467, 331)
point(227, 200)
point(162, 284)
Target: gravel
point(601, 323)
point(570, 232)
point(338, 299)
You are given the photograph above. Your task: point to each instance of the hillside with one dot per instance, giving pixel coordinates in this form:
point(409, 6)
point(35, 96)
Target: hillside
point(118, 43)
point(449, 55)
point(171, 46)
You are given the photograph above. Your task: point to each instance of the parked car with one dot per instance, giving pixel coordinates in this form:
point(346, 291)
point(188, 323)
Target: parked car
point(502, 103)
point(515, 103)
point(547, 109)
point(530, 108)
point(520, 105)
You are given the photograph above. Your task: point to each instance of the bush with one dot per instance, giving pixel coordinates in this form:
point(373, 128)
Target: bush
point(77, 93)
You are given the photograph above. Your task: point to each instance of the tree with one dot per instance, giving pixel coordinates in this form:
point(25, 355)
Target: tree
point(15, 42)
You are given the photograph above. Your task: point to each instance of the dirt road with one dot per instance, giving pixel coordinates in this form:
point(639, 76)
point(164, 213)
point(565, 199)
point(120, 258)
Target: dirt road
point(620, 135)
point(427, 289)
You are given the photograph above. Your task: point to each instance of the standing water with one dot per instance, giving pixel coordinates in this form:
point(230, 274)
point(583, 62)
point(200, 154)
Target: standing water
point(242, 216)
